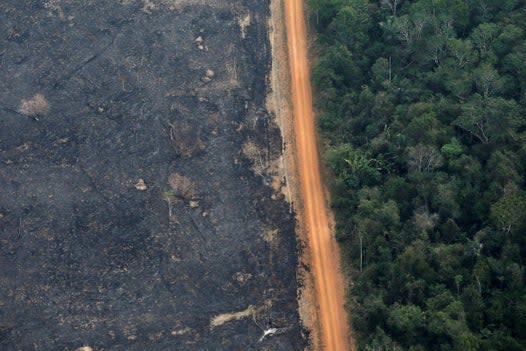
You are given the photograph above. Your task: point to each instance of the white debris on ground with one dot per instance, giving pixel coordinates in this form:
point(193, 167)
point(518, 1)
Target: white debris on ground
point(268, 332)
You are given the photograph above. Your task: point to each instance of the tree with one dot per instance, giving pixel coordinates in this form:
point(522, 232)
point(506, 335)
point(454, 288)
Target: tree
point(461, 51)
point(335, 72)
point(490, 119)
point(409, 29)
point(381, 71)
point(438, 43)
point(351, 24)
point(487, 80)
point(424, 158)
point(452, 149)
point(324, 11)
point(483, 37)
point(509, 213)
point(407, 321)
point(413, 261)
point(510, 36)
point(392, 5)
point(426, 128)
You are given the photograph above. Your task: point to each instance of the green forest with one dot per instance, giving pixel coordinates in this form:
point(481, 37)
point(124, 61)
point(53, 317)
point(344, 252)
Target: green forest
point(421, 108)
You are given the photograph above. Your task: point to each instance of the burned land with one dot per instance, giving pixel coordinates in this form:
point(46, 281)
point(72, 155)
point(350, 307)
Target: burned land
point(139, 205)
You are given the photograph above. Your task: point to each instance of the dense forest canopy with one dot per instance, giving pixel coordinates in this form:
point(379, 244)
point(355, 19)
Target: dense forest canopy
point(422, 108)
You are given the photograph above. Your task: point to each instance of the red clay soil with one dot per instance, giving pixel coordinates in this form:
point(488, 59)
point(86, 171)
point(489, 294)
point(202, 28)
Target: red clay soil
point(329, 283)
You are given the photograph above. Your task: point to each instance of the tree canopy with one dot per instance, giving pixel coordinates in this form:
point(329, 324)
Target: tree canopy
point(422, 110)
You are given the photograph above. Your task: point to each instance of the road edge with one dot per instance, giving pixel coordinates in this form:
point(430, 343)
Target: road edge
point(315, 215)
point(280, 104)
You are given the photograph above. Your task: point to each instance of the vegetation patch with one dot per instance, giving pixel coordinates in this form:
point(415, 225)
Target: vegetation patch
point(422, 107)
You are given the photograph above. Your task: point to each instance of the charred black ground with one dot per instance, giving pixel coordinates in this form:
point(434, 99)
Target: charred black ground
point(134, 90)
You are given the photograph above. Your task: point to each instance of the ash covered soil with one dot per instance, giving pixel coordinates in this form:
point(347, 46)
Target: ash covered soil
point(94, 97)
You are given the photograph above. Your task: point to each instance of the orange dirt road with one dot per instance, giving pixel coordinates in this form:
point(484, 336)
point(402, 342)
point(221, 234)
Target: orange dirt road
point(323, 247)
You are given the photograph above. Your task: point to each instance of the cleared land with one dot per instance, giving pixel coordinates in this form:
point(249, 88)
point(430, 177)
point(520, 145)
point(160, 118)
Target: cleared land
point(136, 156)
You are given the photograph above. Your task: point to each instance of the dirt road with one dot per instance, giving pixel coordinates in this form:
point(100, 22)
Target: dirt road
point(325, 255)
